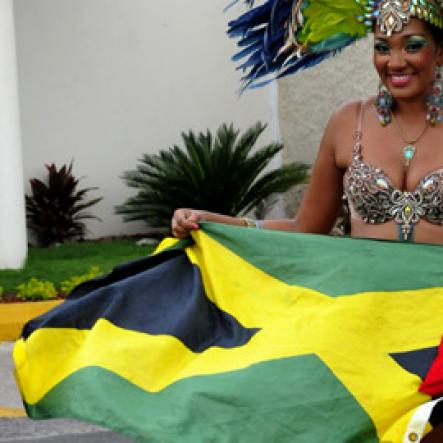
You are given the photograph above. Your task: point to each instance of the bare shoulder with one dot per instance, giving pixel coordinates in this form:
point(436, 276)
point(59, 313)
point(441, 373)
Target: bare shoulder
point(346, 115)
point(341, 129)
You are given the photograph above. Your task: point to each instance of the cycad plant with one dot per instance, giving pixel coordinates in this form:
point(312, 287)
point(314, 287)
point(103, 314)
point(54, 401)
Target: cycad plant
point(55, 209)
point(223, 174)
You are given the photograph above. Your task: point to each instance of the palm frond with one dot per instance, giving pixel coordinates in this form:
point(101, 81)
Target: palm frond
point(222, 173)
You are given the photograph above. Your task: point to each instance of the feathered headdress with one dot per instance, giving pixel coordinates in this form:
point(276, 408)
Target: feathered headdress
point(280, 37)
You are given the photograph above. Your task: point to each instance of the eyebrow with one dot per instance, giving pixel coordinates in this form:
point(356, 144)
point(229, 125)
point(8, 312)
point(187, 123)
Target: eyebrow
point(405, 36)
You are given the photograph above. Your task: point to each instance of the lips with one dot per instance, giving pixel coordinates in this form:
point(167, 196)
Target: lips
point(400, 80)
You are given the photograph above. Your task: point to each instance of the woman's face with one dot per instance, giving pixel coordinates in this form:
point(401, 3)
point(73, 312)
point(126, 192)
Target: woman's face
point(406, 62)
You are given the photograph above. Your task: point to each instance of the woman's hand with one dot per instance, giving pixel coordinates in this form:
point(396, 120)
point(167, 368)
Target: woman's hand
point(184, 221)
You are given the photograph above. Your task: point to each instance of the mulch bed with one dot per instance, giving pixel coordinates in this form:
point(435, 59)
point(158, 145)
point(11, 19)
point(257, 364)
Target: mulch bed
point(11, 297)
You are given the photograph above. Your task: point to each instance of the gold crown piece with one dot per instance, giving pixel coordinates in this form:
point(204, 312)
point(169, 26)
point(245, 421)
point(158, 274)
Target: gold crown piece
point(392, 15)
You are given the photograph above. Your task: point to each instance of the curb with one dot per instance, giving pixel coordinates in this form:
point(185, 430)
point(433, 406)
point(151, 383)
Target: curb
point(12, 412)
point(13, 316)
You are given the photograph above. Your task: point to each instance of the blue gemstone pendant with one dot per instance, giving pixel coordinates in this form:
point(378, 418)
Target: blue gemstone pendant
point(408, 153)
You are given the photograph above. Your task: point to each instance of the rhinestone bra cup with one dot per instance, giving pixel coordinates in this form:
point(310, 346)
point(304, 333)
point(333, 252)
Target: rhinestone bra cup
point(375, 199)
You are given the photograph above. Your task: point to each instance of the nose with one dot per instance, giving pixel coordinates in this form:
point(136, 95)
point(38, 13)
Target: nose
point(396, 60)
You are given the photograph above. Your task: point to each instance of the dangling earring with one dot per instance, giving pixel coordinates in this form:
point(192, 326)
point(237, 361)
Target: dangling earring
point(384, 103)
point(435, 100)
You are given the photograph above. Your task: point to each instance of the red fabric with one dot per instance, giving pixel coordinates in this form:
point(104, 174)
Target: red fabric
point(433, 383)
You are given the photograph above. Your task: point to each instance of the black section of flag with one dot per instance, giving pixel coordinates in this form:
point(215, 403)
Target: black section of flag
point(161, 294)
point(418, 361)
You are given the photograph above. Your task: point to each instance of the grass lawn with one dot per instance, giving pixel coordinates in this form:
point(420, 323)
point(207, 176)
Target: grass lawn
point(59, 263)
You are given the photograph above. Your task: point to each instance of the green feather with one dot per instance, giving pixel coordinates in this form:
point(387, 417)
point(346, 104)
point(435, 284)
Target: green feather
point(327, 23)
point(333, 43)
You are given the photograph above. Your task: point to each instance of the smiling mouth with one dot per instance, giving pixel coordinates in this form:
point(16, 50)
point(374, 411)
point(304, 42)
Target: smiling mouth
point(400, 80)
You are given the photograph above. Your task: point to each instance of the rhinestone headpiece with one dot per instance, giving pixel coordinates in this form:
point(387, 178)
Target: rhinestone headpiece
point(392, 15)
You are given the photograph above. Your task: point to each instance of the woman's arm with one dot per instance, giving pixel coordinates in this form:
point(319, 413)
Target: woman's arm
point(186, 220)
point(320, 205)
point(322, 200)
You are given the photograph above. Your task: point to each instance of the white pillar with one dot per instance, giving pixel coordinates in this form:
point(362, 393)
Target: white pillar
point(13, 243)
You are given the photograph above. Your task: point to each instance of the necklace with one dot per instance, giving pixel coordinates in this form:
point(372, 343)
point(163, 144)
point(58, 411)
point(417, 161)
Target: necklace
point(409, 150)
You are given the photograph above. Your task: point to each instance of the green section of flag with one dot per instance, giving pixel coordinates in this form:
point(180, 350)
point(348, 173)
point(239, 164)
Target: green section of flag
point(334, 266)
point(289, 400)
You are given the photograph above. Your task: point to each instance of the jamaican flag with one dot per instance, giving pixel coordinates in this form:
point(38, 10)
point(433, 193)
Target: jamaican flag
point(243, 335)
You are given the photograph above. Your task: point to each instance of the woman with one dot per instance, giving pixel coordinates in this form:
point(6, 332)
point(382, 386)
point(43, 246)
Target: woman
point(401, 189)
point(390, 174)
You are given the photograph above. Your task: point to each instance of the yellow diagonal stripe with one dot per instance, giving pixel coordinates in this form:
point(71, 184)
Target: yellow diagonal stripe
point(62, 352)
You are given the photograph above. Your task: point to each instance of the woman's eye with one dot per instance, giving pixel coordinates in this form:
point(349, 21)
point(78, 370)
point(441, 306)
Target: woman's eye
point(415, 46)
point(382, 48)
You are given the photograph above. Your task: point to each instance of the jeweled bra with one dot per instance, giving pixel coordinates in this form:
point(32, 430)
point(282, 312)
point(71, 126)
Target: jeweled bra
point(373, 197)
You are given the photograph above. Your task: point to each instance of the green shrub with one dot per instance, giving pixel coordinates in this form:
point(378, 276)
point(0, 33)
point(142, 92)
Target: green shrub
point(35, 289)
point(222, 174)
point(68, 285)
point(2, 291)
point(55, 210)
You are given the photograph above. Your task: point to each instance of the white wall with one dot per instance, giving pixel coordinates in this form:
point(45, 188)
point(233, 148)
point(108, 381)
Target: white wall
point(103, 81)
point(308, 99)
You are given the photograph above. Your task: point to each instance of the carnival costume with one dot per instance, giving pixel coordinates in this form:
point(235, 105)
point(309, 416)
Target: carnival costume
point(282, 37)
point(374, 199)
point(243, 335)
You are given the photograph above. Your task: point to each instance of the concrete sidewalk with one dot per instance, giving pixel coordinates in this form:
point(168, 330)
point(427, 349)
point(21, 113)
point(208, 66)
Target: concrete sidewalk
point(15, 427)
point(9, 396)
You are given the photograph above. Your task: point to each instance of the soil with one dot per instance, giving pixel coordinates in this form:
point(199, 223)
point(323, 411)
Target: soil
point(11, 297)
point(135, 237)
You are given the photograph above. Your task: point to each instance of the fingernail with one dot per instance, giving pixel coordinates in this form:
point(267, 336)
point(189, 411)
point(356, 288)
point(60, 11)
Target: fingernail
point(196, 226)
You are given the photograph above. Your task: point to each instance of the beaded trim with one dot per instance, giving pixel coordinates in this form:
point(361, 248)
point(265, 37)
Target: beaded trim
point(376, 200)
point(392, 15)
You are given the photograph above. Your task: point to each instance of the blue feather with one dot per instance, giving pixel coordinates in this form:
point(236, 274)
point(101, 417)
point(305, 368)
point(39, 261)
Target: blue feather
point(256, 48)
point(249, 20)
point(261, 32)
point(249, 3)
point(307, 61)
point(251, 61)
point(251, 37)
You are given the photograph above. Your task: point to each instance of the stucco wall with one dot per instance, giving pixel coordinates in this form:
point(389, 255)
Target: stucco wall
point(103, 81)
point(307, 100)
